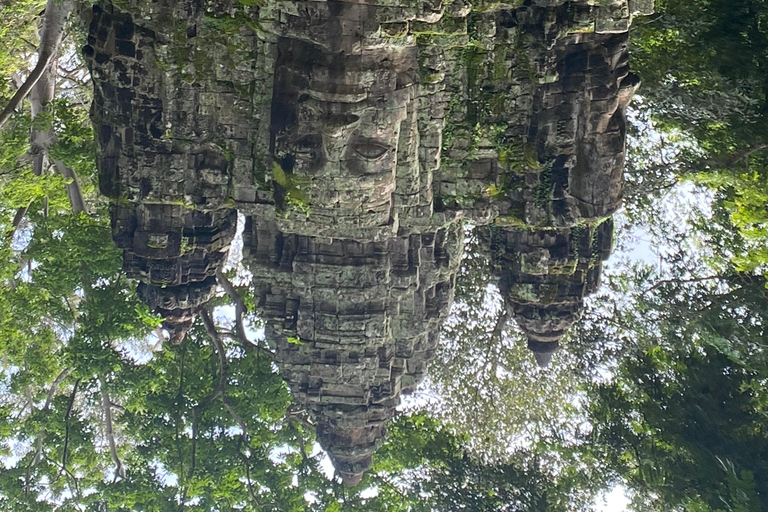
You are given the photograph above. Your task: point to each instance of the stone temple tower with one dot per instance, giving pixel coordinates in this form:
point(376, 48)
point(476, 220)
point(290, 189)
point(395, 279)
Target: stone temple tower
point(159, 162)
point(356, 138)
point(575, 140)
point(352, 270)
point(546, 91)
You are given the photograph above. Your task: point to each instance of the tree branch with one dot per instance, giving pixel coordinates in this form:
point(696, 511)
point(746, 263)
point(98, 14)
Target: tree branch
point(248, 344)
point(51, 392)
point(48, 399)
point(193, 450)
point(680, 281)
point(56, 14)
point(735, 158)
point(247, 465)
point(17, 220)
point(210, 328)
point(66, 427)
point(74, 192)
point(240, 308)
point(221, 389)
point(500, 324)
point(234, 415)
point(106, 403)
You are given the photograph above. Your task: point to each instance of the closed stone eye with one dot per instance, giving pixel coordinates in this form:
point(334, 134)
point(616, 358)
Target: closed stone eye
point(307, 144)
point(370, 149)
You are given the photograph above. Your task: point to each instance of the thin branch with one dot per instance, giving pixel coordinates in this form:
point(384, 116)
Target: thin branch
point(30, 401)
point(737, 157)
point(234, 415)
point(680, 281)
point(193, 451)
point(51, 392)
point(48, 399)
point(177, 420)
point(28, 43)
point(247, 465)
point(65, 470)
point(248, 344)
point(106, 403)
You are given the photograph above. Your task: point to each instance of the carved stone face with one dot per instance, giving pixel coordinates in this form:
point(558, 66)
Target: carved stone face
point(337, 115)
point(348, 149)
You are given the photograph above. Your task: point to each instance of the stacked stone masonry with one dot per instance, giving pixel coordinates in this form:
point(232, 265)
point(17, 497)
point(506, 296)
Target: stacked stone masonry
point(356, 139)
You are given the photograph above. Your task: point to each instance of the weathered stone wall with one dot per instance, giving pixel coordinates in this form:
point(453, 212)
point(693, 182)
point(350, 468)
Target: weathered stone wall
point(355, 138)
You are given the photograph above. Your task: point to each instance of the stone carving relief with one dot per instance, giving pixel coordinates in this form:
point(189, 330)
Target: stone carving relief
point(357, 138)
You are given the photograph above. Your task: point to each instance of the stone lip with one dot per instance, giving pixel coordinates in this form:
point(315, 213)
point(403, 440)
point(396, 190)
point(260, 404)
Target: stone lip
point(543, 350)
point(177, 304)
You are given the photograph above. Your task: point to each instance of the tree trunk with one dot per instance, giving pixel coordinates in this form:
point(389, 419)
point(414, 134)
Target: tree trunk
point(240, 308)
point(39, 98)
point(74, 192)
point(56, 14)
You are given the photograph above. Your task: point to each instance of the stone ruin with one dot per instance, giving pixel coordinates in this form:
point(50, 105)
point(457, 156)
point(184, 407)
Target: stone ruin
point(357, 139)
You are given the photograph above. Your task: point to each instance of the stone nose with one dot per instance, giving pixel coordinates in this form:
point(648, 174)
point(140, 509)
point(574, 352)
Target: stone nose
point(336, 125)
point(337, 130)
